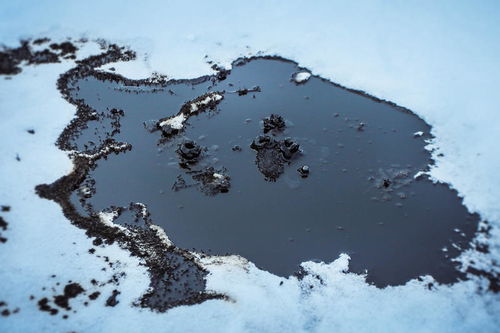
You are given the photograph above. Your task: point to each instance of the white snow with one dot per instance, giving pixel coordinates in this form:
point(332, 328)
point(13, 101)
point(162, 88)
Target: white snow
point(301, 77)
point(419, 174)
point(176, 122)
point(439, 59)
point(418, 134)
point(108, 217)
point(211, 98)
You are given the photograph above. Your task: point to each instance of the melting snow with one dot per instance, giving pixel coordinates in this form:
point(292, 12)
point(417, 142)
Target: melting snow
point(448, 77)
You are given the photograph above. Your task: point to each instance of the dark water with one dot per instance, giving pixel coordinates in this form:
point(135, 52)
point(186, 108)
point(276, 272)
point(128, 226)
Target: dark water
point(396, 232)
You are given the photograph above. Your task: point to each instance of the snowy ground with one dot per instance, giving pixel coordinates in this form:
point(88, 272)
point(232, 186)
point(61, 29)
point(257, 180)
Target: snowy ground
point(437, 59)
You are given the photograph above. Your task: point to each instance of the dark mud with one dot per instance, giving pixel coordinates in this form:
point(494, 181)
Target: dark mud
point(61, 301)
point(67, 298)
point(166, 264)
point(112, 300)
point(12, 59)
point(71, 290)
point(272, 155)
point(280, 174)
point(6, 310)
point(3, 227)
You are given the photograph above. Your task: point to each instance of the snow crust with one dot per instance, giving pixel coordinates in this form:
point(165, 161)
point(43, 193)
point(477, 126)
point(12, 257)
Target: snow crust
point(439, 59)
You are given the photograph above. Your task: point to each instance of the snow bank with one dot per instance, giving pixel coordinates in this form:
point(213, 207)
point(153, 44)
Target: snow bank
point(439, 59)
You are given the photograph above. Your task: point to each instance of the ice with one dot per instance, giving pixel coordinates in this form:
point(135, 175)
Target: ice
point(439, 59)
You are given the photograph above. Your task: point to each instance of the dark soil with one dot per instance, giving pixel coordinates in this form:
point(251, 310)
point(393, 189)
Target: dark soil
point(3, 227)
point(70, 291)
point(112, 300)
point(161, 259)
point(12, 58)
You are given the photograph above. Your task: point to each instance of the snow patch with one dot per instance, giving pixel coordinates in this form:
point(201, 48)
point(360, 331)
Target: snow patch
point(418, 134)
point(301, 77)
point(176, 122)
point(211, 98)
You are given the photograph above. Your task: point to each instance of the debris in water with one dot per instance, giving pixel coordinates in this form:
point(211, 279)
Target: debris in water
point(274, 122)
point(272, 155)
point(418, 134)
point(304, 171)
point(213, 181)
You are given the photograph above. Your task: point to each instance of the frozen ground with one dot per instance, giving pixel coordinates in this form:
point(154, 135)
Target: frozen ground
point(437, 59)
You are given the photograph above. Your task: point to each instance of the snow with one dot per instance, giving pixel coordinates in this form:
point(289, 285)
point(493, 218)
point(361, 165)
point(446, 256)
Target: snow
point(103, 151)
point(418, 134)
point(439, 59)
point(301, 77)
point(40, 240)
point(212, 98)
point(176, 122)
point(108, 217)
point(419, 174)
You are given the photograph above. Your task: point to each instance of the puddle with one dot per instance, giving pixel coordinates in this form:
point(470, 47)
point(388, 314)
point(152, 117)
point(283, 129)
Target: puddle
point(332, 172)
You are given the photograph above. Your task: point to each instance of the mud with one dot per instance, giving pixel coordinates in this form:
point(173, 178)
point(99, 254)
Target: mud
point(71, 290)
point(112, 300)
point(272, 155)
point(11, 59)
point(274, 123)
point(3, 227)
point(6, 311)
point(189, 152)
point(213, 181)
point(162, 259)
point(73, 295)
point(43, 305)
point(94, 295)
